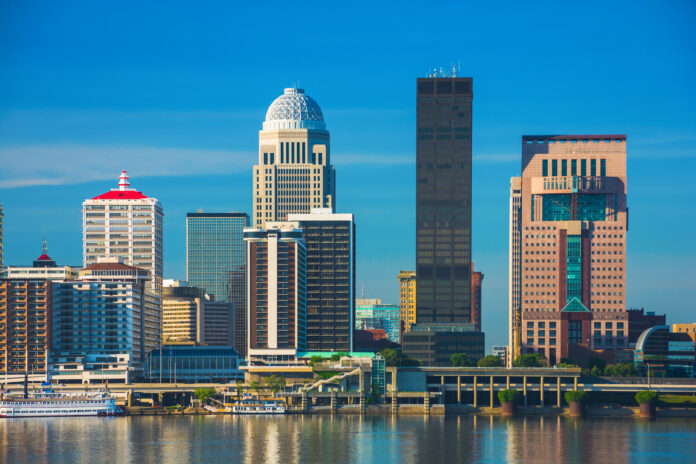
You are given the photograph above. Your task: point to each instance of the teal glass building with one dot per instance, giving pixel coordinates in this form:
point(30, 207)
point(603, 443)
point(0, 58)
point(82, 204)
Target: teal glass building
point(216, 261)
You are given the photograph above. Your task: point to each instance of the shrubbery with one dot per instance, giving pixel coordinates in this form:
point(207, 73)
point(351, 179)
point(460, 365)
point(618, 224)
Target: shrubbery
point(575, 395)
point(509, 395)
point(646, 396)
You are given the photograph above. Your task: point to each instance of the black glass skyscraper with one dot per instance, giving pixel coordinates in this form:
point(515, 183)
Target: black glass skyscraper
point(443, 200)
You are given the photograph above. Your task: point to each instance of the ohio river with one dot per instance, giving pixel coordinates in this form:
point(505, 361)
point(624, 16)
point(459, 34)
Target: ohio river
point(350, 439)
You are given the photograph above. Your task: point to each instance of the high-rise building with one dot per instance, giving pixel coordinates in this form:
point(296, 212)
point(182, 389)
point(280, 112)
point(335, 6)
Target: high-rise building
point(124, 223)
point(216, 262)
point(104, 324)
point(25, 314)
point(573, 252)
point(294, 173)
point(372, 314)
point(42, 268)
point(443, 200)
point(407, 299)
point(515, 271)
point(276, 292)
point(189, 315)
point(476, 297)
point(330, 242)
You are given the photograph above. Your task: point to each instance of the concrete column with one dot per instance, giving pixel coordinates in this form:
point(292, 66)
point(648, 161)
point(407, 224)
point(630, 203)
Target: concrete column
point(426, 402)
point(305, 401)
point(475, 391)
point(129, 398)
point(459, 390)
point(395, 403)
point(541, 390)
point(363, 404)
point(507, 382)
point(575, 383)
point(524, 390)
point(558, 392)
point(334, 402)
point(442, 389)
point(491, 390)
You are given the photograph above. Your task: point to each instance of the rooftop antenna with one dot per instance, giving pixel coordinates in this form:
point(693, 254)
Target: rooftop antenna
point(362, 289)
point(454, 71)
point(44, 249)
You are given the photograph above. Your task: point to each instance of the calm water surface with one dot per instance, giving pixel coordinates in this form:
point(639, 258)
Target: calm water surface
point(339, 439)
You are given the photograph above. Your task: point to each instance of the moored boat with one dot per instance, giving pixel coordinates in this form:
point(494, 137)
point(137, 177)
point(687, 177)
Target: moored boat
point(50, 404)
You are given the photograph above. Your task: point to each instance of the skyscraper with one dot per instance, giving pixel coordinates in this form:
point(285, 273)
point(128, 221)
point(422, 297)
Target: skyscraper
point(515, 271)
point(573, 245)
point(407, 299)
point(330, 242)
point(276, 292)
point(294, 173)
point(124, 223)
point(216, 262)
point(443, 199)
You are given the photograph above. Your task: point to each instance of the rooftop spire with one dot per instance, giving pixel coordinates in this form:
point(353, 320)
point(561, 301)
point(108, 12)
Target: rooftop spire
point(44, 249)
point(123, 183)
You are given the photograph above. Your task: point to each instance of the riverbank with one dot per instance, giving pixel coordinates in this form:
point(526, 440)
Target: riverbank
point(435, 410)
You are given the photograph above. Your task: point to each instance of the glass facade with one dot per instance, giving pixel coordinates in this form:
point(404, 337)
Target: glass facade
point(588, 207)
point(443, 199)
point(216, 262)
point(574, 267)
point(378, 316)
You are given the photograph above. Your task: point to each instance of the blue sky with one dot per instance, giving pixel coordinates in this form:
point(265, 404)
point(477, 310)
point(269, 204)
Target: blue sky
point(176, 93)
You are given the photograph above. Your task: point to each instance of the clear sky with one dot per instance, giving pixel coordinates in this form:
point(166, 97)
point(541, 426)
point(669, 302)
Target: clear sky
point(175, 92)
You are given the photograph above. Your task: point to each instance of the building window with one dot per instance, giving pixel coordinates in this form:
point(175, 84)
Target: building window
point(545, 168)
point(583, 167)
point(602, 167)
point(573, 167)
point(574, 331)
point(564, 168)
point(593, 167)
point(554, 168)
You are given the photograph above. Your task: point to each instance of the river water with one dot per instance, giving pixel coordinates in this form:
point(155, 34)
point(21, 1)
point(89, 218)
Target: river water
point(349, 439)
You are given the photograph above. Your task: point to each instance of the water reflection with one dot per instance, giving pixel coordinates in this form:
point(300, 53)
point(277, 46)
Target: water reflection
point(336, 439)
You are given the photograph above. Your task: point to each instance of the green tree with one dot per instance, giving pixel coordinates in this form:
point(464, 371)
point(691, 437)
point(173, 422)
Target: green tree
point(462, 360)
point(315, 360)
point(596, 371)
point(646, 396)
point(275, 383)
point(490, 361)
point(507, 396)
point(391, 357)
point(255, 385)
point(575, 395)
point(530, 360)
point(375, 392)
point(239, 385)
point(338, 356)
point(204, 393)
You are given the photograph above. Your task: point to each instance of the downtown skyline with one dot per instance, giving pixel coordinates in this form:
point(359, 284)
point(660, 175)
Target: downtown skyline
point(375, 172)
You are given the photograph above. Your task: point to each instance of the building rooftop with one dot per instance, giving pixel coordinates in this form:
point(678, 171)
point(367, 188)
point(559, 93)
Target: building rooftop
point(294, 110)
point(123, 192)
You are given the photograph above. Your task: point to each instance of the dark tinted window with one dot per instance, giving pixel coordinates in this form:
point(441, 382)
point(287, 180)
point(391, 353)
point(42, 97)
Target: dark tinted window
point(462, 87)
point(444, 86)
point(426, 87)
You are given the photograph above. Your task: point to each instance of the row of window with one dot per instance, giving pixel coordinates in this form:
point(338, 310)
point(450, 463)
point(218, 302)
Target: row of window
point(574, 167)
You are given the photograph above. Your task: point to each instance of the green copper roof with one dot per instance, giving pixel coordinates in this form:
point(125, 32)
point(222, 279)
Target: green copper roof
point(575, 306)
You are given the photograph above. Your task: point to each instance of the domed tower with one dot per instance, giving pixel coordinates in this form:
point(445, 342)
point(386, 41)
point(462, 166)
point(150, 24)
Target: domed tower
point(294, 173)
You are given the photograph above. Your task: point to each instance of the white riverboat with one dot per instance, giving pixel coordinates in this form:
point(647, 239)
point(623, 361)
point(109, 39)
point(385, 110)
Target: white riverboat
point(247, 405)
point(50, 404)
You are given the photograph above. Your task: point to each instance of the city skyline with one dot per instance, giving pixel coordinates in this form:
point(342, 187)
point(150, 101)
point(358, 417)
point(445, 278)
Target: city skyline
point(223, 135)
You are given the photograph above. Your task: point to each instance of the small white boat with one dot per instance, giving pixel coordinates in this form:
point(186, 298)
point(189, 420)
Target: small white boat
point(258, 407)
point(50, 404)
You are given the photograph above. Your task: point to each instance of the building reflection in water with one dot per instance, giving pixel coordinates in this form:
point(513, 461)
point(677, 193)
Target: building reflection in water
point(296, 439)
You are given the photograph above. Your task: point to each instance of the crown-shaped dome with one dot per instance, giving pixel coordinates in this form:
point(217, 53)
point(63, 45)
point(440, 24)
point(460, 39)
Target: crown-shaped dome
point(294, 110)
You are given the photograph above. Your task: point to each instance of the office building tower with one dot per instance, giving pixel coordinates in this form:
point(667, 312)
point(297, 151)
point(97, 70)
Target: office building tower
point(25, 314)
point(189, 315)
point(330, 243)
point(407, 300)
point(443, 200)
point(216, 262)
point(573, 254)
point(276, 292)
point(103, 324)
point(124, 223)
point(515, 271)
point(476, 283)
point(294, 173)
point(372, 314)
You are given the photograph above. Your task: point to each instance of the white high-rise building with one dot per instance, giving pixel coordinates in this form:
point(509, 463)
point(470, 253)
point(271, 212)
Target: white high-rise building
point(294, 173)
point(127, 224)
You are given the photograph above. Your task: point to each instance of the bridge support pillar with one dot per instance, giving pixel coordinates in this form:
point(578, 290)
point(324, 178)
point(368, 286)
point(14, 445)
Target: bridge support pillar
point(524, 390)
point(363, 404)
point(541, 390)
point(558, 392)
point(395, 402)
point(426, 402)
point(459, 390)
point(491, 391)
point(304, 401)
point(129, 398)
point(334, 402)
point(475, 391)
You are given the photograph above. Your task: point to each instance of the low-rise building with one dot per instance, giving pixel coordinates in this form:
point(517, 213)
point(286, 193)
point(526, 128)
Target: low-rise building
point(407, 299)
point(190, 363)
point(639, 321)
point(434, 344)
point(660, 352)
point(689, 329)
